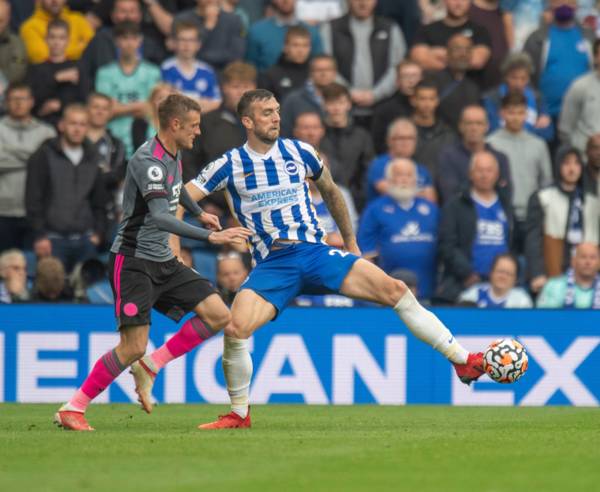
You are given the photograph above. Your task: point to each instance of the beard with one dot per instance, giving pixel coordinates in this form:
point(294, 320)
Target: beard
point(402, 193)
point(265, 137)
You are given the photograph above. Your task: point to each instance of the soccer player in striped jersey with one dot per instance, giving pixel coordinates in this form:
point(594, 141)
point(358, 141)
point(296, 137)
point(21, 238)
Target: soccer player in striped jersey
point(144, 271)
point(265, 184)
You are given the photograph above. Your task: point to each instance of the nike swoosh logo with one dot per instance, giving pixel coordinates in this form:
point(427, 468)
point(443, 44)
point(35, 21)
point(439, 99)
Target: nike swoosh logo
point(248, 175)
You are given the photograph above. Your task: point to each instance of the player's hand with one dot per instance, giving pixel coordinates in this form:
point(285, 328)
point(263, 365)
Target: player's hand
point(234, 235)
point(353, 248)
point(211, 221)
point(543, 121)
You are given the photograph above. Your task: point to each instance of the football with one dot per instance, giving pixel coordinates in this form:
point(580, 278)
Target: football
point(505, 361)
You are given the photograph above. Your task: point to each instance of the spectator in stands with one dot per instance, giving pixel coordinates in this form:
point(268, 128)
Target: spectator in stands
point(476, 226)
point(591, 176)
point(50, 282)
point(221, 128)
point(145, 128)
point(559, 218)
point(367, 49)
point(33, 30)
point(429, 49)
point(266, 37)
point(349, 146)
point(13, 277)
point(455, 159)
point(57, 82)
point(406, 14)
point(561, 52)
point(516, 71)
point(456, 89)
point(65, 193)
point(579, 287)
point(581, 107)
point(236, 7)
point(408, 75)
point(501, 291)
point(128, 82)
point(189, 76)
point(525, 16)
point(112, 155)
point(399, 229)
point(20, 136)
point(528, 158)
point(309, 128)
point(401, 144)
point(490, 15)
point(291, 70)
point(231, 273)
point(323, 71)
point(433, 134)
point(13, 57)
point(103, 50)
point(221, 33)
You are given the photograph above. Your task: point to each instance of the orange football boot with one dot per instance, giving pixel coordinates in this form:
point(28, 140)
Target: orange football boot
point(70, 420)
point(472, 370)
point(230, 421)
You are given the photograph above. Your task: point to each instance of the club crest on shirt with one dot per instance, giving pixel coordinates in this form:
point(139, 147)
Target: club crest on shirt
point(291, 168)
point(155, 173)
point(423, 209)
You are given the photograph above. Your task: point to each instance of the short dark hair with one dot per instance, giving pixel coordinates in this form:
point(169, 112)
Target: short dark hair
point(126, 28)
point(334, 91)
point(249, 97)
point(175, 106)
point(185, 25)
point(513, 99)
point(17, 86)
point(98, 95)
point(426, 84)
point(297, 32)
point(57, 24)
point(517, 61)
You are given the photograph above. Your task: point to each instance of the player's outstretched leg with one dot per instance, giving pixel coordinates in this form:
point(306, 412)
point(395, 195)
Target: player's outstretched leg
point(367, 281)
point(249, 312)
point(71, 416)
point(191, 334)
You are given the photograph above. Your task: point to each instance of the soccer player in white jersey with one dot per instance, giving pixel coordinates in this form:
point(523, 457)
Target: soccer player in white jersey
point(265, 184)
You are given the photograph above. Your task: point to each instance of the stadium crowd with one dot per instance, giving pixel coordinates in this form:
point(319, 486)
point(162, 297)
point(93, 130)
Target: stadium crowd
point(464, 134)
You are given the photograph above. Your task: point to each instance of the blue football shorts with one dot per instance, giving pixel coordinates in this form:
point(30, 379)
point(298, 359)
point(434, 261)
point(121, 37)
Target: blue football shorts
point(299, 268)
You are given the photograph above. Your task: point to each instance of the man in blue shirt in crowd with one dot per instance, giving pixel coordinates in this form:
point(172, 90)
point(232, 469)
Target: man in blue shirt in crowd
point(476, 226)
point(561, 52)
point(400, 229)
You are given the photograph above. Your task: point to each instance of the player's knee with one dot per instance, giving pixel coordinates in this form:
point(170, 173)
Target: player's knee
point(237, 329)
point(393, 291)
point(133, 350)
point(220, 320)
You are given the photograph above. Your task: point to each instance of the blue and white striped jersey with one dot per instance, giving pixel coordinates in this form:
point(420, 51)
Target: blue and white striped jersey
point(268, 193)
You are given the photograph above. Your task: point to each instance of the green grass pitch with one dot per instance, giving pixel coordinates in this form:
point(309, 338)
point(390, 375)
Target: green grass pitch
point(373, 448)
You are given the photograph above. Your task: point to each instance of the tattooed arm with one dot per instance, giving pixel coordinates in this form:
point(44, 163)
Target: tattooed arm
point(339, 211)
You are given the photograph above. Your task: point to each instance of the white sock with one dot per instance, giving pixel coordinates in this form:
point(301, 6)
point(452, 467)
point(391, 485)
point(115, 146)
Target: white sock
point(427, 327)
point(237, 366)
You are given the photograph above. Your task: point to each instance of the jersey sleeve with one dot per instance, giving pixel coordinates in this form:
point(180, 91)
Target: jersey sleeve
point(470, 295)
point(311, 159)
point(214, 176)
point(150, 176)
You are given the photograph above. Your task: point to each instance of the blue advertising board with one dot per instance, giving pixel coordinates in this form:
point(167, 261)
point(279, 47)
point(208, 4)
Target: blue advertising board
point(311, 355)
